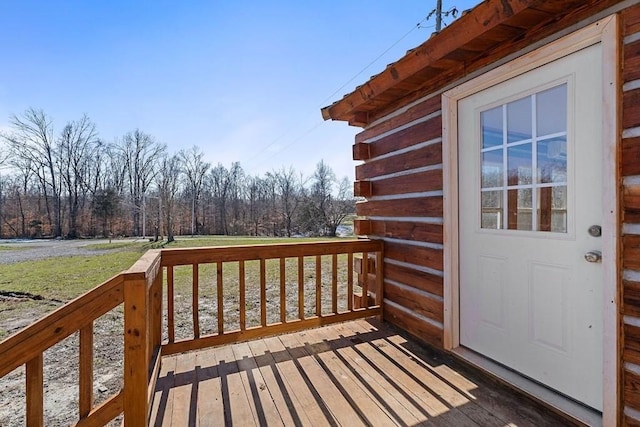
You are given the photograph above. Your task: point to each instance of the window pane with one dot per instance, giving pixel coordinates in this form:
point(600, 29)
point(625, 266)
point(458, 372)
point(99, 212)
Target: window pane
point(552, 160)
point(551, 111)
point(491, 122)
point(519, 159)
point(492, 169)
point(552, 209)
point(519, 209)
point(519, 120)
point(491, 216)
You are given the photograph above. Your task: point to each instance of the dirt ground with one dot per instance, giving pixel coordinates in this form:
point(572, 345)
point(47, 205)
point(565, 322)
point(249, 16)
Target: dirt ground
point(61, 361)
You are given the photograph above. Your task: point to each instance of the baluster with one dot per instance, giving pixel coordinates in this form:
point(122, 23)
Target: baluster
point(243, 303)
point(350, 281)
point(171, 325)
point(379, 279)
point(263, 293)
point(220, 293)
point(318, 285)
point(86, 370)
point(365, 280)
point(35, 392)
point(195, 300)
point(334, 283)
point(301, 287)
point(283, 292)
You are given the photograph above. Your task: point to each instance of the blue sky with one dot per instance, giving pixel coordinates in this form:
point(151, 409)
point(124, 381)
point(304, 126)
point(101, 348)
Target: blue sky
point(243, 80)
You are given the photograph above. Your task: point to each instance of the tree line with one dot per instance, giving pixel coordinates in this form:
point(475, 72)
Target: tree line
point(70, 183)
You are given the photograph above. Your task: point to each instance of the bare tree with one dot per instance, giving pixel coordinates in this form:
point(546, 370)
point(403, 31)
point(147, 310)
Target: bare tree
point(288, 186)
point(168, 181)
point(22, 179)
point(324, 210)
point(87, 186)
point(236, 195)
point(4, 156)
point(271, 203)
point(140, 153)
point(223, 184)
point(3, 185)
point(257, 202)
point(195, 169)
point(77, 147)
point(3, 159)
point(32, 138)
point(115, 165)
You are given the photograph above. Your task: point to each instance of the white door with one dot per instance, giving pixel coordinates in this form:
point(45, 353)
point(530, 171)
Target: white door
point(530, 156)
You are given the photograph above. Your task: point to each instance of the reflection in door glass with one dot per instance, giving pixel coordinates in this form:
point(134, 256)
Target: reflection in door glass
point(551, 111)
point(492, 162)
point(552, 209)
point(552, 160)
point(492, 209)
point(519, 161)
point(519, 209)
point(491, 127)
point(519, 120)
point(524, 166)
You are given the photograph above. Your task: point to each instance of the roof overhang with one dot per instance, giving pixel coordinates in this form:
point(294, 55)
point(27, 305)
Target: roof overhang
point(488, 32)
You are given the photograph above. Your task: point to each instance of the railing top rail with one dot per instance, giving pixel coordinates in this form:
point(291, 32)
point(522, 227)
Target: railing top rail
point(20, 347)
point(146, 267)
point(186, 256)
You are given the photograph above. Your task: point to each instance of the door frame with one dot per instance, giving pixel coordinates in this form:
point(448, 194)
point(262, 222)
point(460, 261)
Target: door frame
point(604, 31)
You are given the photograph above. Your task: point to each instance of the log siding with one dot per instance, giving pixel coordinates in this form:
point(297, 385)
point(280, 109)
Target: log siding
point(404, 169)
point(630, 208)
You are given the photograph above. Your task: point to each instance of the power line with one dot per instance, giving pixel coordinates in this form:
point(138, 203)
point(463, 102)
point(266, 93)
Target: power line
point(418, 25)
point(317, 125)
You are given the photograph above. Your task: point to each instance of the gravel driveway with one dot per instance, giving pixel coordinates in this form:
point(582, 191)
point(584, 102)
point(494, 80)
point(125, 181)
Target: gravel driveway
point(33, 250)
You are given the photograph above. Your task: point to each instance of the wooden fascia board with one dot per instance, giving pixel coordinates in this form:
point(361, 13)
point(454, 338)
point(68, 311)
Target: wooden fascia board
point(482, 18)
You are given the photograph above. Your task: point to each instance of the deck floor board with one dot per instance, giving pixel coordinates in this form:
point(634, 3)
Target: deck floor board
point(401, 409)
point(357, 373)
point(209, 388)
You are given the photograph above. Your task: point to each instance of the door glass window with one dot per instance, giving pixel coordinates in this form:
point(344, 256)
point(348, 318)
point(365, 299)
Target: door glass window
point(524, 163)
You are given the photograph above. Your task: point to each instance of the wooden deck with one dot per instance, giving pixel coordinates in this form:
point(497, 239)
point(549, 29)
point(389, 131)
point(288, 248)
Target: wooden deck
point(350, 374)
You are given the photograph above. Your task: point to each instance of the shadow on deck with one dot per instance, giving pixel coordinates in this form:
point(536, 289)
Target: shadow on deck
point(356, 373)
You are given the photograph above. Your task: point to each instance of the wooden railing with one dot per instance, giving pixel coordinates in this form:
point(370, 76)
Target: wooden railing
point(322, 274)
point(324, 268)
point(139, 289)
point(27, 348)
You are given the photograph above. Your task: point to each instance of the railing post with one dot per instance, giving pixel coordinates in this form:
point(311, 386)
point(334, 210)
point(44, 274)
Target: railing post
point(136, 357)
point(380, 279)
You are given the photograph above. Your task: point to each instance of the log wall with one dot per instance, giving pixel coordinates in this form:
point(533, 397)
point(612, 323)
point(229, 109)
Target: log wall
point(402, 180)
point(630, 209)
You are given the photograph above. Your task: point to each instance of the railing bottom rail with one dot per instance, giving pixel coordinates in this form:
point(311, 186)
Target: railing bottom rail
point(266, 331)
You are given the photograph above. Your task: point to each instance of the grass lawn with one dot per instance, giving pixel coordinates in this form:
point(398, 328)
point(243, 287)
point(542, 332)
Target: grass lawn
point(61, 279)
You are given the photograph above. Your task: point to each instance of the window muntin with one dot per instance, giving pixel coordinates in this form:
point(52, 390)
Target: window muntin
point(524, 163)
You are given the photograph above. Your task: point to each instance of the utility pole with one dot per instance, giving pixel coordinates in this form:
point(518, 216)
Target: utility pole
point(439, 14)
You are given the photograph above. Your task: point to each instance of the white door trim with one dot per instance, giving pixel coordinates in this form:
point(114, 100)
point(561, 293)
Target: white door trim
point(606, 32)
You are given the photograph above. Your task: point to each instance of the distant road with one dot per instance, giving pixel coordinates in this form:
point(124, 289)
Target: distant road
point(32, 250)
